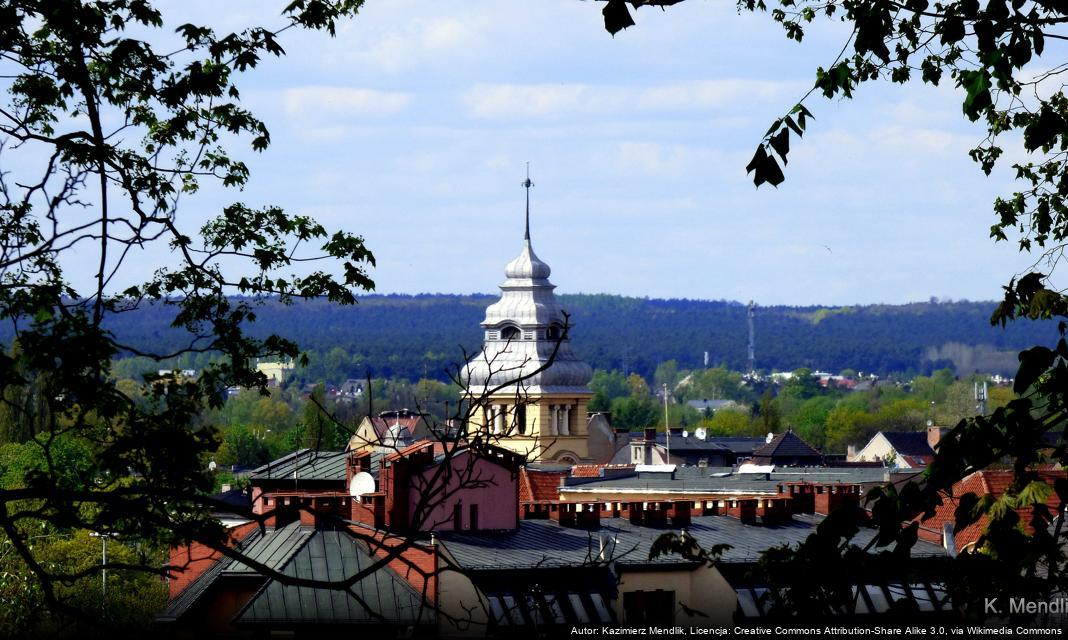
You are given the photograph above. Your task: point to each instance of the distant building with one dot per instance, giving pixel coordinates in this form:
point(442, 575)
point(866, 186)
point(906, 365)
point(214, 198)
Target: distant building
point(530, 389)
point(712, 406)
point(651, 447)
point(901, 449)
point(389, 429)
point(276, 372)
point(787, 450)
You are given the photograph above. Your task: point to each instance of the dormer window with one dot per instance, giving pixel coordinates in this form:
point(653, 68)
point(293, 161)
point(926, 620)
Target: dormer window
point(510, 333)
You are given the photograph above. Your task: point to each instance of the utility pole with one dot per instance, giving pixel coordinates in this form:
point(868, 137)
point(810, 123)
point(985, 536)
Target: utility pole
point(667, 427)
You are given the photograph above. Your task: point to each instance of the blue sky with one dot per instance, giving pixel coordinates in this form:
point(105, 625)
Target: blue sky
point(414, 125)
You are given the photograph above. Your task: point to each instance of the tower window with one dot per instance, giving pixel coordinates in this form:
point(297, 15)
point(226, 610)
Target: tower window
point(521, 418)
point(510, 333)
point(553, 333)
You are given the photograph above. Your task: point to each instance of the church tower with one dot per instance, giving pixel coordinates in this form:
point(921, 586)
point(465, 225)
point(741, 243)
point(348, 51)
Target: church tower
point(528, 388)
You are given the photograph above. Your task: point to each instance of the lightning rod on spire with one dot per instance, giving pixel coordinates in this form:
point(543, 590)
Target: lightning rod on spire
point(527, 184)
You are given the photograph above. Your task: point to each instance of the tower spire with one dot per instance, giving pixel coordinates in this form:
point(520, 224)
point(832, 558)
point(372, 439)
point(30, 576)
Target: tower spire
point(527, 184)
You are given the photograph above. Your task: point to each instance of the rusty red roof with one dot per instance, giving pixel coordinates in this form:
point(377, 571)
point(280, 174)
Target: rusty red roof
point(988, 482)
point(539, 486)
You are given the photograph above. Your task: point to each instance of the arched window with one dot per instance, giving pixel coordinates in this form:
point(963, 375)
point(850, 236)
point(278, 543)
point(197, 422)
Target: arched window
point(554, 332)
point(510, 333)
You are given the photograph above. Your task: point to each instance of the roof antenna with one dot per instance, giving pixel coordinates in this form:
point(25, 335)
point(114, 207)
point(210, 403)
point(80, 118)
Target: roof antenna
point(528, 184)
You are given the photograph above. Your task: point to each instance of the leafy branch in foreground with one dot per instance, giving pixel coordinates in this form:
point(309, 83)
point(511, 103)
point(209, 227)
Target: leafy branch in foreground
point(990, 51)
point(107, 128)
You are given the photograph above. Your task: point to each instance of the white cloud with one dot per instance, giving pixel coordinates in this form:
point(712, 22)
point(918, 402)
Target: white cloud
point(317, 101)
point(541, 100)
point(417, 42)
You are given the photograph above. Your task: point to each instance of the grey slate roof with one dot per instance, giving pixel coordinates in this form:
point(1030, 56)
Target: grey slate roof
point(545, 544)
point(682, 445)
point(380, 598)
point(738, 444)
point(308, 464)
point(786, 445)
point(909, 443)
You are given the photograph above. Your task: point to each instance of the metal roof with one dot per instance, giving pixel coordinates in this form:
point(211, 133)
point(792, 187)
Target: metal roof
point(693, 480)
point(381, 597)
point(544, 543)
point(272, 548)
point(307, 464)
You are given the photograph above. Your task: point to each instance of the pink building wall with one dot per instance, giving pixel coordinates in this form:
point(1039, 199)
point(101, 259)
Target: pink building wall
point(492, 489)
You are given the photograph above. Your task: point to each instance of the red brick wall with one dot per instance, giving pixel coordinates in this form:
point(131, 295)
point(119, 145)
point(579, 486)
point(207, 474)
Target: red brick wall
point(190, 562)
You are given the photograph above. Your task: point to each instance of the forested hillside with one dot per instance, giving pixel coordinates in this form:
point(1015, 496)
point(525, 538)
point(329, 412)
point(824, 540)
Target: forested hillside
point(409, 336)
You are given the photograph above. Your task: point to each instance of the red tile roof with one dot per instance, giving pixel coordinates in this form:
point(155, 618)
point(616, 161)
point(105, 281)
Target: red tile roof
point(382, 424)
point(539, 486)
point(981, 483)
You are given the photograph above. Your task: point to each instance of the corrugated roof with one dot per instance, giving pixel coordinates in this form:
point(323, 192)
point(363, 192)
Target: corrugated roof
point(909, 443)
point(332, 555)
point(544, 543)
point(308, 465)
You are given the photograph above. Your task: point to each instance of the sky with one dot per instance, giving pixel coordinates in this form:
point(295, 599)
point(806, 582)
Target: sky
point(414, 125)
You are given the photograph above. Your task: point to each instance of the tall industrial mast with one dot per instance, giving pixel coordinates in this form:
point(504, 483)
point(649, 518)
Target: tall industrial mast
point(752, 339)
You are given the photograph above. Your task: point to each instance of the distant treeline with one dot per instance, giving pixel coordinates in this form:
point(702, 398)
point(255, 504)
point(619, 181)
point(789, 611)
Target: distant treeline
point(404, 336)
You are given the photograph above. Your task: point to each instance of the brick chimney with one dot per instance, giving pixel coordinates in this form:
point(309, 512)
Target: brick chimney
point(934, 435)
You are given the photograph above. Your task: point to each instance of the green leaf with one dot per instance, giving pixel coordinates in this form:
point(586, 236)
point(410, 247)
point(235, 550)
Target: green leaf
point(616, 16)
point(781, 143)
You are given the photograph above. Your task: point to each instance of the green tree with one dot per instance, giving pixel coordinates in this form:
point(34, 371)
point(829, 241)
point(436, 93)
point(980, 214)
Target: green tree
point(636, 412)
point(114, 128)
point(770, 415)
point(606, 387)
point(727, 422)
point(666, 373)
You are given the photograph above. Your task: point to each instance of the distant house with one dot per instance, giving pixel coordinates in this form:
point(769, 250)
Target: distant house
point(712, 406)
point(350, 390)
point(276, 372)
point(787, 450)
point(651, 447)
point(389, 429)
point(901, 449)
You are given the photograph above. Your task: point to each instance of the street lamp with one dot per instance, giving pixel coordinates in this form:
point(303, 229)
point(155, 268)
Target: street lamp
point(103, 560)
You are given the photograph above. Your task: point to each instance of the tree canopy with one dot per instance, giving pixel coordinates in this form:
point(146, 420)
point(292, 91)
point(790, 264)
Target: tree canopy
point(108, 130)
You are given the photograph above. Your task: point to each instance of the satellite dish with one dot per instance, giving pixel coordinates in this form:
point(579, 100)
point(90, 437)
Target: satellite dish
point(361, 483)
